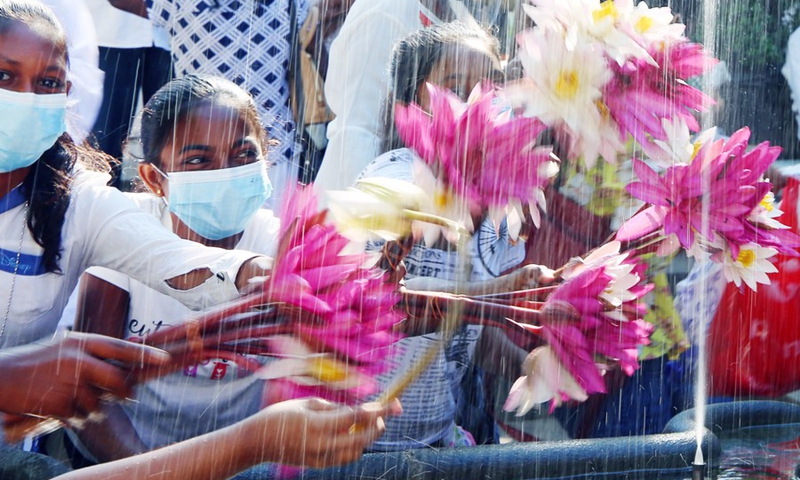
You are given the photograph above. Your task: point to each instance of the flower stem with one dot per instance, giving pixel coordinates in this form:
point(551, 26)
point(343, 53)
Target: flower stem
point(452, 317)
point(530, 292)
point(435, 220)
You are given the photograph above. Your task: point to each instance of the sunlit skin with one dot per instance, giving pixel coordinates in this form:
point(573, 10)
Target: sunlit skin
point(213, 136)
point(460, 69)
point(32, 60)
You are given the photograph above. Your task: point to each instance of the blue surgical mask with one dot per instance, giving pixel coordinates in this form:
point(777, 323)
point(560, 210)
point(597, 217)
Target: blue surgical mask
point(29, 125)
point(217, 204)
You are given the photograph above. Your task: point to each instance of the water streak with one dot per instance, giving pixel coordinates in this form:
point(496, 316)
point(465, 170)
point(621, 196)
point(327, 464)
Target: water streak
point(709, 21)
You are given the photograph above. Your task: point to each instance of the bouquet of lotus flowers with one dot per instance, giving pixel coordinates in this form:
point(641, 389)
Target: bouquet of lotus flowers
point(717, 203)
point(591, 322)
point(603, 72)
point(469, 150)
point(322, 316)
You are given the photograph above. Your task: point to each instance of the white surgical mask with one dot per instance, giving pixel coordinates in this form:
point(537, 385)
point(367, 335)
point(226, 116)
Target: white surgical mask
point(217, 204)
point(29, 125)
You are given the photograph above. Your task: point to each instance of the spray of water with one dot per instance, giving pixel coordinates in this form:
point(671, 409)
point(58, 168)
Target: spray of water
point(709, 14)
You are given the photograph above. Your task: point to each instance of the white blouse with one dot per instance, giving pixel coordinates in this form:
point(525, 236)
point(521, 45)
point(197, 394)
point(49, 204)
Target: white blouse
point(101, 228)
point(203, 397)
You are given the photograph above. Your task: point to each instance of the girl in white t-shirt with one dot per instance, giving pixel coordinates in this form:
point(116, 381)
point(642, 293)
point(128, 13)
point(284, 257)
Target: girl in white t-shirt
point(55, 221)
point(56, 218)
point(205, 170)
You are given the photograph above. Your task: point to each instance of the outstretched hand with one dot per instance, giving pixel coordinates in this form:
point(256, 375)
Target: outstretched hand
point(66, 377)
point(316, 433)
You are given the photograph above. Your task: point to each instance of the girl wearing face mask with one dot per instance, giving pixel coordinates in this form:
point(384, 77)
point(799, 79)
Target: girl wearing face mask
point(55, 221)
point(457, 57)
point(205, 170)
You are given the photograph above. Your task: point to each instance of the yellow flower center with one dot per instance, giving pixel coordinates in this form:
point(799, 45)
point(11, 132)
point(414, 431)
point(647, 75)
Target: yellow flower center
point(746, 257)
point(644, 24)
point(696, 146)
point(603, 109)
point(768, 202)
point(328, 370)
point(440, 200)
point(607, 10)
point(567, 84)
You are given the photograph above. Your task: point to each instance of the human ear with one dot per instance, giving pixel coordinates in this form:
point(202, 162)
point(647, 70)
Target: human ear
point(154, 179)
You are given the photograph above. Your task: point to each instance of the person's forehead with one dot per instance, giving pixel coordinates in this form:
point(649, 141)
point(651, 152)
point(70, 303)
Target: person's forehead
point(46, 35)
point(214, 126)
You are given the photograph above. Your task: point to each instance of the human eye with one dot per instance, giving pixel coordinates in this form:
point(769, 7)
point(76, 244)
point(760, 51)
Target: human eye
point(247, 155)
point(195, 161)
point(4, 76)
point(53, 85)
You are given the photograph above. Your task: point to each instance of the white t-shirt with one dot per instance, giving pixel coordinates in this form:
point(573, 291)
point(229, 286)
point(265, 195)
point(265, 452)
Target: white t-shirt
point(429, 403)
point(203, 397)
point(101, 228)
point(119, 29)
point(357, 85)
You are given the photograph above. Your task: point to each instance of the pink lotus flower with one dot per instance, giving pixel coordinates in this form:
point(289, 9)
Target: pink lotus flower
point(584, 338)
point(473, 147)
point(299, 371)
point(713, 196)
point(640, 95)
point(354, 304)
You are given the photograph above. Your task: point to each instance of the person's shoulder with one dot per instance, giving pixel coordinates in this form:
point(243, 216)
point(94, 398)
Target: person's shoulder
point(265, 219)
point(89, 188)
point(404, 11)
point(396, 164)
point(262, 233)
point(92, 200)
point(148, 202)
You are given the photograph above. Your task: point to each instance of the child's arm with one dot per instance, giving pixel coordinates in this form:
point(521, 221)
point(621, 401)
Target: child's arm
point(103, 309)
point(307, 432)
point(498, 355)
point(529, 276)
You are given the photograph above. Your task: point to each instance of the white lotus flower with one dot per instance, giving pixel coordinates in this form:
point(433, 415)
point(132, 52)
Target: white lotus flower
point(680, 146)
point(650, 24)
point(440, 202)
point(376, 207)
point(305, 367)
point(766, 213)
point(561, 86)
point(617, 32)
point(751, 266)
point(545, 379)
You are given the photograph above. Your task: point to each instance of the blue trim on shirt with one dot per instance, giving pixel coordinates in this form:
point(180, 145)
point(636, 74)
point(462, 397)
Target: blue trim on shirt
point(13, 199)
point(29, 265)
